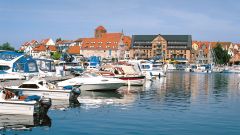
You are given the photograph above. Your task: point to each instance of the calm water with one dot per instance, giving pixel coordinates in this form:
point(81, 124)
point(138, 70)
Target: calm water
point(181, 103)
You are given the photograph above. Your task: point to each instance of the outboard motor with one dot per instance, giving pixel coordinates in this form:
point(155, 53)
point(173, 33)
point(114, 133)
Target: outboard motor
point(75, 92)
point(45, 104)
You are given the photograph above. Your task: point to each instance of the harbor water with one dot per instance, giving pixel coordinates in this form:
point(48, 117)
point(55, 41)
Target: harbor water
point(181, 103)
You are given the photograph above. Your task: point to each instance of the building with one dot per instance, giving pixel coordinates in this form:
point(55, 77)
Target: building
point(39, 49)
point(105, 45)
point(63, 45)
point(161, 46)
point(202, 52)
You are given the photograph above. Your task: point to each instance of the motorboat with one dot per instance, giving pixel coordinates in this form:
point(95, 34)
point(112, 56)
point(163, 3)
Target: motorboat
point(16, 66)
point(130, 74)
point(15, 103)
point(93, 82)
point(149, 68)
point(23, 122)
point(40, 87)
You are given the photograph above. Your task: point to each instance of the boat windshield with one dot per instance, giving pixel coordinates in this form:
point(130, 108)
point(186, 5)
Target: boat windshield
point(4, 68)
point(90, 75)
point(145, 66)
point(28, 86)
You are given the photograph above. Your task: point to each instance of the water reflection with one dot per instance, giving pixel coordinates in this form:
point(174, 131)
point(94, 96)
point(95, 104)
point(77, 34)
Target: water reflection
point(123, 97)
point(64, 104)
point(23, 122)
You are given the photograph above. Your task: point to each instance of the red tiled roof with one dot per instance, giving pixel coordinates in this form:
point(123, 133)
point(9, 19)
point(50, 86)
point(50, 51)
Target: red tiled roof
point(106, 42)
point(52, 48)
point(33, 42)
point(26, 43)
point(111, 35)
point(74, 50)
point(100, 28)
point(44, 41)
point(21, 48)
point(40, 48)
point(127, 41)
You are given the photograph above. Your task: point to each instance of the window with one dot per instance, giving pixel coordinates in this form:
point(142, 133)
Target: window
point(3, 67)
point(44, 65)
point(32, 67)
point(145, 66)
point(29, 86)
point(20, 67)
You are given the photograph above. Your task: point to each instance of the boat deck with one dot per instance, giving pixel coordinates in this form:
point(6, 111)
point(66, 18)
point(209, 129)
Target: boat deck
point(5, 83)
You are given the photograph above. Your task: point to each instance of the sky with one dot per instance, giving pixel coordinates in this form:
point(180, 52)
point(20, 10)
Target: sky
point(206, 20)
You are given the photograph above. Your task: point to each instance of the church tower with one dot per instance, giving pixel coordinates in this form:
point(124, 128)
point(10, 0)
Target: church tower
point(99, 31)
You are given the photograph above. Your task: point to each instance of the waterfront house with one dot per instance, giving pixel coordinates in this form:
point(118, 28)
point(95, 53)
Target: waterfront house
point(163, 46)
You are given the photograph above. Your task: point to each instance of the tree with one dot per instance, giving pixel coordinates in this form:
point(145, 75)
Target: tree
point(221, 56)
point(56, 55)
point(6, 46)
point(58, 39)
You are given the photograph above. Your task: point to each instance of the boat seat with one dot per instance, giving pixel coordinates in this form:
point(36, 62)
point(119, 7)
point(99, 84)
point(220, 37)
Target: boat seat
point(22, 98)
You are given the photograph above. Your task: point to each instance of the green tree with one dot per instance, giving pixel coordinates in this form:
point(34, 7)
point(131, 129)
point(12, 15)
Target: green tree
point(6, 46)
point(58, 39)
point(221, 56)
point(56, 55)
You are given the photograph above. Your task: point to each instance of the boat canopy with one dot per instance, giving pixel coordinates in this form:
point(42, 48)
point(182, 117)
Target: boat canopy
point(18, 62)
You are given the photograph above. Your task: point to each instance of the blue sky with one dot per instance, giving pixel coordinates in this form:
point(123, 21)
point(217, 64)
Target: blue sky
point(213, 20)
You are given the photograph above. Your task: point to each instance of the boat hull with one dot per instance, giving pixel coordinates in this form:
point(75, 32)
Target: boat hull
point(53, 94)
point(21, 108)
point(133, 81)
point(101, 87)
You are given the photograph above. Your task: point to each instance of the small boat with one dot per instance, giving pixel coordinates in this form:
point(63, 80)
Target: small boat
point(15, 103)
point(39, 86)
point(92, 82)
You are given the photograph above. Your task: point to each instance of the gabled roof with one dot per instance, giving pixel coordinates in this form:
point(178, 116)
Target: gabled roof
point(25, 44)
point(40, 48)
point(44, 41)
point(52, 48)
point(74, 50)
point(33, 42)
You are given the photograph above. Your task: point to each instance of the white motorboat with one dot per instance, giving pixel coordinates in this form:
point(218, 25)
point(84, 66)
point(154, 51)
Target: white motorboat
point(149, 68)
point(13, 104)
point(94, 83)
point(39, 86)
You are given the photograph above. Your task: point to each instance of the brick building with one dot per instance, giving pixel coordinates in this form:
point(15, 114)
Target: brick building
point(161, 46)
